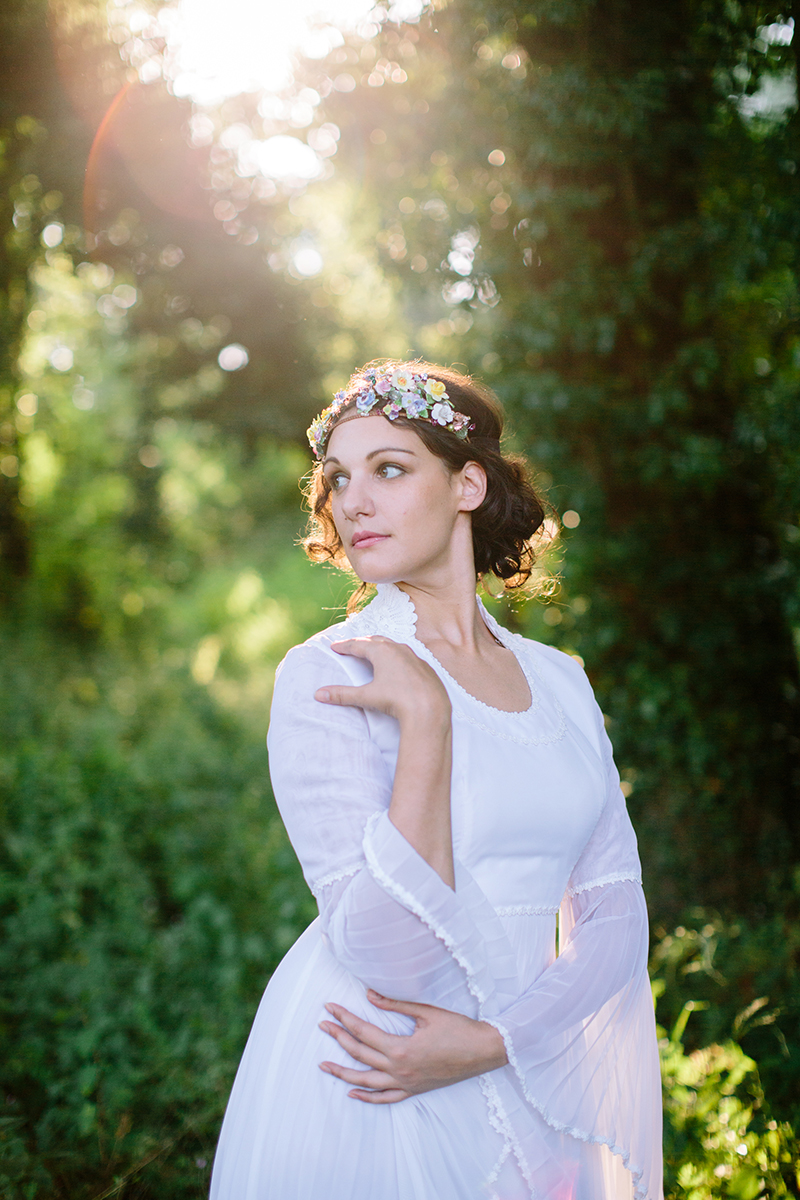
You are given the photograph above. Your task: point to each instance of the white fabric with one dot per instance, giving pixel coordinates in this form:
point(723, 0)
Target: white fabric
point(539, 822)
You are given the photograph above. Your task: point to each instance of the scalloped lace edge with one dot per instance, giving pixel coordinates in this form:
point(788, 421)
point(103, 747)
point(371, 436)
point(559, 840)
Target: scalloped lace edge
point(495, 1112)
point(639, 1193)
point(501, 1124)
point(413, 905)
point(334, 877)
point(603, 880)
point(498, 1166)
point(525, 910)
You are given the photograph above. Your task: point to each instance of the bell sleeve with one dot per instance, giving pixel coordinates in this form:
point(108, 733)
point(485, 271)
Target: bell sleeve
point(581, 1041)
point(388, 917)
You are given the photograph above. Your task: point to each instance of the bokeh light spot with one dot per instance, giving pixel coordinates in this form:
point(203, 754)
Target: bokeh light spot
point(28, 404)
point(52, 234)
point(233, 357)
point(61, 358)
point(307, 261)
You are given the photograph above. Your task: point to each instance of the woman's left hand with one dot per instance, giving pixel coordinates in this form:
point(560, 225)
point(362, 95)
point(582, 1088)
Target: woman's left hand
point(444, 1048)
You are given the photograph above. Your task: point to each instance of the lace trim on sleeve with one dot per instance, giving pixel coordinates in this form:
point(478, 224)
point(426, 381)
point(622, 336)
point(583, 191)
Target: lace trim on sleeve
point(639, 1192)
point(602, 880)
point(495, 1111)
point(319, 885)
point(413, 905)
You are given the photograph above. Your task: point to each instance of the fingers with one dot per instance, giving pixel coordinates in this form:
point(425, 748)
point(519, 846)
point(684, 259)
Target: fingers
point(360, 647)
point(384, 1089)
point(339, 694)
point(409, 1007)
point(374, 1080)
point(390, 1096)
point(369, 1034)
point(356, 1049)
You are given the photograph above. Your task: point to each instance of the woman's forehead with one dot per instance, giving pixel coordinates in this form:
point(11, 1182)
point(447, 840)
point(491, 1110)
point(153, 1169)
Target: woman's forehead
point(356, 437)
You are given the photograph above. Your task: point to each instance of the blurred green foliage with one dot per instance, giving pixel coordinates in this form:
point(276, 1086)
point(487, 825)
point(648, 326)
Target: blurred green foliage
point(148, 890)
point(594, 207)
point(718, 1140)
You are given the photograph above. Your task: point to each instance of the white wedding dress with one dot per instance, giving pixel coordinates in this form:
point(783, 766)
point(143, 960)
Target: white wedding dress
point(539, 829)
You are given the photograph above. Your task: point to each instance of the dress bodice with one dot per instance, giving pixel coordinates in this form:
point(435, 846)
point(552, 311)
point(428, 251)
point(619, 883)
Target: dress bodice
point(527, 787)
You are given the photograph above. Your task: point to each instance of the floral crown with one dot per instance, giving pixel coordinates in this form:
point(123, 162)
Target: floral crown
point(400, 393)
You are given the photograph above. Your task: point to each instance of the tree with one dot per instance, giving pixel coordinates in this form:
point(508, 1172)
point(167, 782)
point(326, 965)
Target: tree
point(639, 231)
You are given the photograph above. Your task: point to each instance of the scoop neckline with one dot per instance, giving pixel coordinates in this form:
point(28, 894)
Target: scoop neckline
point(392, 612)
point(501, 712)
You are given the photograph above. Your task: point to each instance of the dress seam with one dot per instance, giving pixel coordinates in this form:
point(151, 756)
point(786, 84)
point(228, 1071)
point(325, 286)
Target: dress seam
point(525, 910)
point(603, 880)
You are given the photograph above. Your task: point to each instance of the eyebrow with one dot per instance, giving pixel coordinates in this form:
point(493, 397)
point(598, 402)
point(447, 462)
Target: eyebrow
point(372, 453)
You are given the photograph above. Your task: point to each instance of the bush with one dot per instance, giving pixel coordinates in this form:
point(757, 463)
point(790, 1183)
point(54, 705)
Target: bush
point(147, 890)
point(719, 1138)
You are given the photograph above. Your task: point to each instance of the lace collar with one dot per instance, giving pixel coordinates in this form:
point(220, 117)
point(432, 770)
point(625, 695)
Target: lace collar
point(390, 613)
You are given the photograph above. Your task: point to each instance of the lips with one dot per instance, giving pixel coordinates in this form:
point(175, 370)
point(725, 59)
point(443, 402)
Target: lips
point(366, 537)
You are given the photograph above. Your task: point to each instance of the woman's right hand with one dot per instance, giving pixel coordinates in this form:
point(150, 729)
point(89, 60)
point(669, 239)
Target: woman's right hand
point(403, 686)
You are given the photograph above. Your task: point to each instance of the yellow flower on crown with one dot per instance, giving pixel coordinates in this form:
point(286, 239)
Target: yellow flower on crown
point(435, 389)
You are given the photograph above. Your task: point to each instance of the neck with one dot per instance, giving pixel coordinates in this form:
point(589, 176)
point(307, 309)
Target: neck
point(447, 608)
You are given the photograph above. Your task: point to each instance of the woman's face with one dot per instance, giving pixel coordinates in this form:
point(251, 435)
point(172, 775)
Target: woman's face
point(402, 516)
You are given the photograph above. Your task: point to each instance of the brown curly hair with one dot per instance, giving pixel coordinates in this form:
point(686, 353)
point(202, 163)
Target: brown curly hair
point(505, 527)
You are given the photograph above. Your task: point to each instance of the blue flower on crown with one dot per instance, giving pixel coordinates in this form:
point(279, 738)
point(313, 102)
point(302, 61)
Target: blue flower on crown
point(414, 404)
point(367, 401)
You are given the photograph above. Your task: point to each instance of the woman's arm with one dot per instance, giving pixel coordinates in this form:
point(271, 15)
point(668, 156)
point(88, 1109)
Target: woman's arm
point(406, 688)
point(389, 917)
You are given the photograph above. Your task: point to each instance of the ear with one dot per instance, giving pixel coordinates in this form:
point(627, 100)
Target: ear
point(472, 480)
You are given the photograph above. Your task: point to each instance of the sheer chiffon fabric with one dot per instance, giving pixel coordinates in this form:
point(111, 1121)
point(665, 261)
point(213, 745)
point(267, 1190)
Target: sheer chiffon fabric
point(539, 825)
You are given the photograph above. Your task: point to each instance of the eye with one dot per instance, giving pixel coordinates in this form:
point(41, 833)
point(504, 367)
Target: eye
point(336, 481)
point(389, 471)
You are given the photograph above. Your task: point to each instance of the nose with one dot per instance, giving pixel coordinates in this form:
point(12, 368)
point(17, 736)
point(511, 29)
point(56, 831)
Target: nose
point(357, 499)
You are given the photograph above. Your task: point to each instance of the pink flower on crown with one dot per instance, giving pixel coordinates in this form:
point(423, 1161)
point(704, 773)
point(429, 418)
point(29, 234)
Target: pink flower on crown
point(383, 386)
point(442, 413)
point(392, 410)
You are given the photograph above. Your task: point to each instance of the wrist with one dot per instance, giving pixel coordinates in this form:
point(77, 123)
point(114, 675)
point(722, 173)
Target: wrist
point(429, 720)
point(494, 1048)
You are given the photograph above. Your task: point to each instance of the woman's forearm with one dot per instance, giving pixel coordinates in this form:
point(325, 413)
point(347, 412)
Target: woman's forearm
point(420, 805)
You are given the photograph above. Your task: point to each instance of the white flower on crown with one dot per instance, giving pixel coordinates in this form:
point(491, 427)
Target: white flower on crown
point(442, 413)
point(402, 380)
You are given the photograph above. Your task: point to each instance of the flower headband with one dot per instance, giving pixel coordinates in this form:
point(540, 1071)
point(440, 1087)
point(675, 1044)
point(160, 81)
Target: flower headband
point(401, 393)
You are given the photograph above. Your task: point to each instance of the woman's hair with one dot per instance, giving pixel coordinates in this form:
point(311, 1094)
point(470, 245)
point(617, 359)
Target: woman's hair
point(504, 526)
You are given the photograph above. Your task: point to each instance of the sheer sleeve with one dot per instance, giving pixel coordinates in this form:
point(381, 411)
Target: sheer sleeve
point(387, 915)
point(582, 1040)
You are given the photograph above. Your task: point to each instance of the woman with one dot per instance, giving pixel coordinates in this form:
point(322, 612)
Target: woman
point(449, 789)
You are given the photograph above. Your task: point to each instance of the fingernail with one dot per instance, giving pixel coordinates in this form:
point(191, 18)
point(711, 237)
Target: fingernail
point(324, 1067)
point(323, 695)
point(329, 1008)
